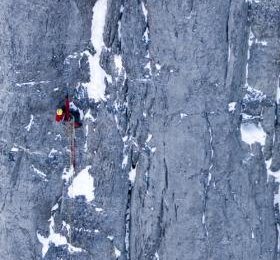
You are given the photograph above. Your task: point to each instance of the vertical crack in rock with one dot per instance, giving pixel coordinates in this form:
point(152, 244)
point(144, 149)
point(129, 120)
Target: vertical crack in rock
point(165, 173)
point(208, 180)
point(228, 40)
point(128, 222)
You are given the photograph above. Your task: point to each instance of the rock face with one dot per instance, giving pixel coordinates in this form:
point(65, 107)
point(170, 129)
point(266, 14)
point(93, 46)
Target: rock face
point(174, 161)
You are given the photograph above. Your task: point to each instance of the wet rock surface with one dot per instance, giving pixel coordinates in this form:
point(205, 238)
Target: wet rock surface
point(177, 171)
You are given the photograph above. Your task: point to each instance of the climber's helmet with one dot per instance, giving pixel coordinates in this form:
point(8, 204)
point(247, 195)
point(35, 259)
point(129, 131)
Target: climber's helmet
point(59, 112)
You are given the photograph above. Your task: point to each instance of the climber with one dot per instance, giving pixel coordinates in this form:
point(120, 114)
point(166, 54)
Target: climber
point(67, 112)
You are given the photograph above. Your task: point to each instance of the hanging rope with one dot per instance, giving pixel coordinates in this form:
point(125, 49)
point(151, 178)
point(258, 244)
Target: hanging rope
point(70, 129)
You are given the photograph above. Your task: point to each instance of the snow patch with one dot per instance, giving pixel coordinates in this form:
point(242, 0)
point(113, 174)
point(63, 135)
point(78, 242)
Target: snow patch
point(254, 95)
point(111, 238)
point(232, 106)
point(252, 133)
point(56, 239)
point(252, 234)
point(99, 209)
point(14, 149)
point(158, 66)
point(82, 185)
point(183, 115)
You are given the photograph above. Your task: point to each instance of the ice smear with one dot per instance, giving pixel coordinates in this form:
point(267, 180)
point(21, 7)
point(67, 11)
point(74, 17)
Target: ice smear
point(117, 252)
point(278, 92)
point(82, 185)
point(132, 175)
point(252, 133)
point(55, 207)
point(32, 83)
point(276, 174)
point(149, 138)
point(96, 87)
point(146, 35)
point(120, 24)
point(183, 115)
point(31, 122)
point(157, 256)
point(125, 160)
point(262, 43)
point(68, 174)
point(118, 63)
point(145, 11)
point(56, 239)
point(40, 173)
point(89, 116)
point(52, 152)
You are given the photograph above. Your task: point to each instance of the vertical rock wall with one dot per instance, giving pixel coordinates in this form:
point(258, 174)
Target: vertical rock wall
point(180, 150)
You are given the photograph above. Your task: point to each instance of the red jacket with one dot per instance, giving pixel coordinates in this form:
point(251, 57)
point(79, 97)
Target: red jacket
point(59, 118)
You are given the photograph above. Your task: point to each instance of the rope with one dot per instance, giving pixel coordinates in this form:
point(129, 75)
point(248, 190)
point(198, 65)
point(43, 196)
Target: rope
point(71, 127)
point(70, 131)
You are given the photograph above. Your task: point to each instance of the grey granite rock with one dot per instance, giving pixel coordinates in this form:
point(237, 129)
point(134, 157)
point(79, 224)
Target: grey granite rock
point(173, 177)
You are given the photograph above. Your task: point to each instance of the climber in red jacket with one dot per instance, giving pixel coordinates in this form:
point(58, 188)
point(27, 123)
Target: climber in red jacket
point(67, 113)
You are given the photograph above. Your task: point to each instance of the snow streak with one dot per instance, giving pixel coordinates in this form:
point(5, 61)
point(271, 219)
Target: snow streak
point(31, 122)
point(209, 177)
point(96, 87)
